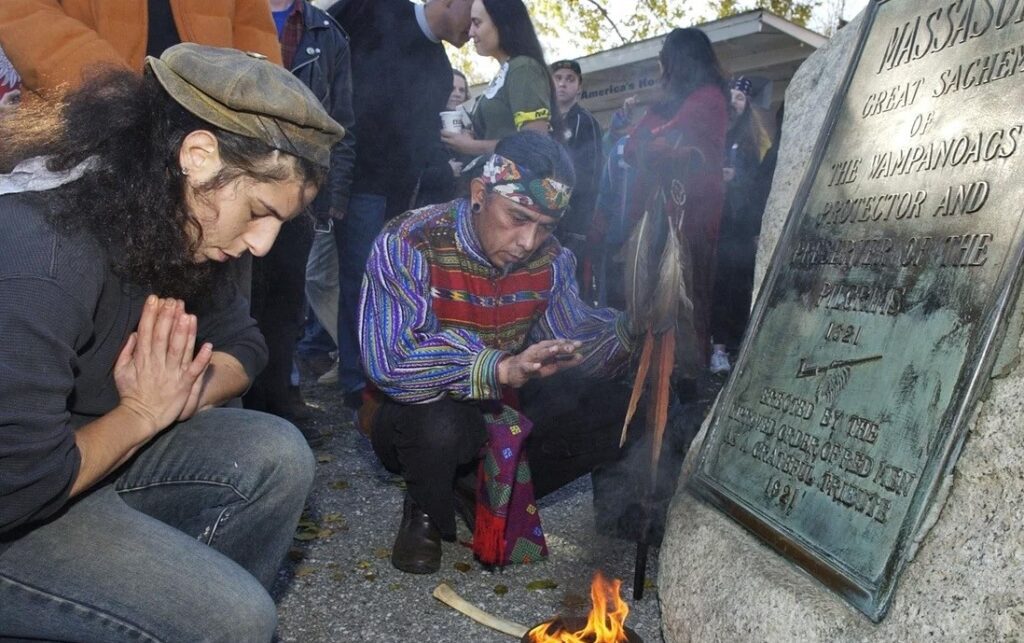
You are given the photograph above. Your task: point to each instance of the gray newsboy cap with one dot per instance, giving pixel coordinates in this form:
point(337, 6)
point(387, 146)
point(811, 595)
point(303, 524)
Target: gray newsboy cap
point(247, 94)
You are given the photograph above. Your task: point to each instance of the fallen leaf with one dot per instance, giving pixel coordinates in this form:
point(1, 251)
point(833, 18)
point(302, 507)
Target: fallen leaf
point(370, 576)
point(501, 590)
point(649, 584)
point(304, 570)
point(394, 587)
point(306, 528)
point(323, 458)
point(462, 567)
point(364, 564)
point(333, 519)
point(339, 485)
point(309, 530)
point(382, 553)
point(546, 583)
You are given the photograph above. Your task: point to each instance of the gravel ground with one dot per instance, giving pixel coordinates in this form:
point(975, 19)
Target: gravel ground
point(339, 585)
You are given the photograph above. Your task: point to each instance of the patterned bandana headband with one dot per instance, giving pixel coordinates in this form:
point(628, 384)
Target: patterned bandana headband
point(541, 194)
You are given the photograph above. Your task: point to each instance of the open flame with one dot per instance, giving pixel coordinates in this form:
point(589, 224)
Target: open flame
point(606, 623)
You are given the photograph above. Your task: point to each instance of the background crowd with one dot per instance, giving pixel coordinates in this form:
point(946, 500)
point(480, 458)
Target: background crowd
point(381, 71)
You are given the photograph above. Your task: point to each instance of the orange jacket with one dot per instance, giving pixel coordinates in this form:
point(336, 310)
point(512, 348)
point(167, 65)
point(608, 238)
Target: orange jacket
point(52, 42)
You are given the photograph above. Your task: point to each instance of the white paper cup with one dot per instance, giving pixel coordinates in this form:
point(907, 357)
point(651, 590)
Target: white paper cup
point(451, 121)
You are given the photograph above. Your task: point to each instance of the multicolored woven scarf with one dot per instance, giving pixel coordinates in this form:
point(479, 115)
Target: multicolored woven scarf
point(507, 520)
point(539, 193)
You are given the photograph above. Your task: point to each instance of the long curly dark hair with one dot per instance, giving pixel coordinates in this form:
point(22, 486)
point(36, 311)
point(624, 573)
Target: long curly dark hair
point(687, 63)
point(517, 37)
point(748, 132)
point(133, 197)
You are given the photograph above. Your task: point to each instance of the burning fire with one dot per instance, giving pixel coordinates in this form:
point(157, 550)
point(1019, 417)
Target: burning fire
point(606, 623)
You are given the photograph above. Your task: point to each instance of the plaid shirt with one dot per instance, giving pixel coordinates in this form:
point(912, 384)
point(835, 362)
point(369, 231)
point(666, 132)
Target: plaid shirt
point(292, 33)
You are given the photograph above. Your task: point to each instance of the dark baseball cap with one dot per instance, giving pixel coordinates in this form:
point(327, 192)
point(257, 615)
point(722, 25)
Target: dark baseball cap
point(567, 64)
point(246, 94)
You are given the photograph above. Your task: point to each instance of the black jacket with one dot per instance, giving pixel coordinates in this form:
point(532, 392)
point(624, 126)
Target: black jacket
point(400, 83)
point(322, 62)
point(584, 145)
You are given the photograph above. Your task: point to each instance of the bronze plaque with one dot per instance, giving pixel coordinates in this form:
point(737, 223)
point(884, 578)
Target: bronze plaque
point(885, 302)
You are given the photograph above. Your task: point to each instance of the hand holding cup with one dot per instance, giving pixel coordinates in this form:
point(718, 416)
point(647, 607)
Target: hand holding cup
point(451, 121)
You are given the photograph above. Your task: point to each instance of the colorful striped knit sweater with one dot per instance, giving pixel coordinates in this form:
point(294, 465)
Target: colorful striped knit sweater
point(436, 317)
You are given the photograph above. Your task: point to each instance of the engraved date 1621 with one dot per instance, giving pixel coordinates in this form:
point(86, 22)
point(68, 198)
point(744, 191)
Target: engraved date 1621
point(842, 333)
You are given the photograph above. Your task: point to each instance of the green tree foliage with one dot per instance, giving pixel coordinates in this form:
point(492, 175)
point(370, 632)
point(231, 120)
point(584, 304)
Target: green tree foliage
point(582, 27)
point(726, 8)
point(595, 25)
point(797, 12)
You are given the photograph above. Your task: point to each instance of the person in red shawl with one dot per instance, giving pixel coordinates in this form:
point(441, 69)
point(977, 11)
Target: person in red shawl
point(679, 144)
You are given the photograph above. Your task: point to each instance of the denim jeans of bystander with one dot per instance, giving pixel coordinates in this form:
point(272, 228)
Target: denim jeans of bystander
point(180, 545)
point(322, 285)
point(354, 236)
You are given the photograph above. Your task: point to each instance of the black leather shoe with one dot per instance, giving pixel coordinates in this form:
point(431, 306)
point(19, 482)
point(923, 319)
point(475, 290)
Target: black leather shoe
point(314, 436)
point(417, 548)
point(295, 410)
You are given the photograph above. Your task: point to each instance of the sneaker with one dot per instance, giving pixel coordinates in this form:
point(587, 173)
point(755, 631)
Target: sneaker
point(720, 362)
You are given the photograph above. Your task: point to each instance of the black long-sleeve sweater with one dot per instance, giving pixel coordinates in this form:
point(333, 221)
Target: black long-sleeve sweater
point(64, 316)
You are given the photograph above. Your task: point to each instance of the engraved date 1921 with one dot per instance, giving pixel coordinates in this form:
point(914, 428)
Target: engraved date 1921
point(781, 494)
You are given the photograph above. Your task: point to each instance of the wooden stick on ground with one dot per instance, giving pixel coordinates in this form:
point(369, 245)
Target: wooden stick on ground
point(447, 595)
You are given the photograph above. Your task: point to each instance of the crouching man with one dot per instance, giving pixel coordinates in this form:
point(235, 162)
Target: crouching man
point(468, 308)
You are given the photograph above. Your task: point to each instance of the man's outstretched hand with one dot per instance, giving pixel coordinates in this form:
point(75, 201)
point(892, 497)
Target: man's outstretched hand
point(542, 359)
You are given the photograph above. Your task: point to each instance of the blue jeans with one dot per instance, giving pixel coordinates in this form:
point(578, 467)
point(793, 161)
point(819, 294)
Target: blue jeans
point(354, 236)
point(315, 338)
point(180, 545)
point(322, 291)
point(321, 327)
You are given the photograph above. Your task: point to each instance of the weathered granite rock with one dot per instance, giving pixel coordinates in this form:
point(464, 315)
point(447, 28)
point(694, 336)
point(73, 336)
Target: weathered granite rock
point(807, 101)
point(718, 583)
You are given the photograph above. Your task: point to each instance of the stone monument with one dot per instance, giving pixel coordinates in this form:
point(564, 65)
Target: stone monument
point(886, 334)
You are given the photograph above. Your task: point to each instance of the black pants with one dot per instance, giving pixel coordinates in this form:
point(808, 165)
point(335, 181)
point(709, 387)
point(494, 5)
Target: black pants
point(278, 292)
point(734, 287)
point(577, 424)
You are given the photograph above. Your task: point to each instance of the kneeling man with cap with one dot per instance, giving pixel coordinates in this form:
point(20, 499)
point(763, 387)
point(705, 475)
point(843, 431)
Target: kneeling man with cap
point(469, 313)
